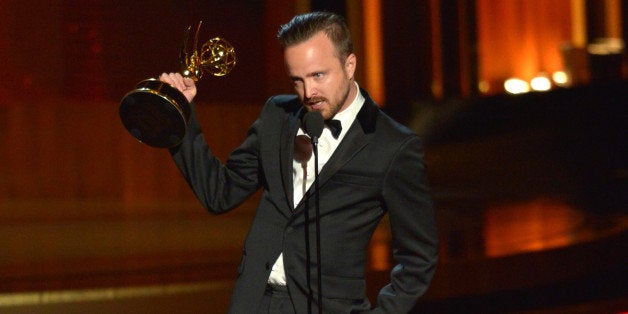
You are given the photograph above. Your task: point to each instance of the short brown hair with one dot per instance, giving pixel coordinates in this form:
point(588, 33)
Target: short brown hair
point(305, 26)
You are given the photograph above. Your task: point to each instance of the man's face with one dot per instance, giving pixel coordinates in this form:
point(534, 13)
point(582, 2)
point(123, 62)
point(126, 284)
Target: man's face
point(321, 80)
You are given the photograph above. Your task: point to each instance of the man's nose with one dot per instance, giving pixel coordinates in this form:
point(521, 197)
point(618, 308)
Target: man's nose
point(309, 90)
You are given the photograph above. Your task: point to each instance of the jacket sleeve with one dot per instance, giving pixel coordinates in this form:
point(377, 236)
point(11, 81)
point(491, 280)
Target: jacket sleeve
point(414, 236)
point(219, 187)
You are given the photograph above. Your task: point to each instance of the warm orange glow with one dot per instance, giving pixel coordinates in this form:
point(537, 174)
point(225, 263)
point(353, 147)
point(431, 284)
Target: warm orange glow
point(613, 18)
point(373, 52)
point(379, 256)
point(437, 58)
point(379, 249)
point(578, 23)
point(534, 225)
point(521, 38)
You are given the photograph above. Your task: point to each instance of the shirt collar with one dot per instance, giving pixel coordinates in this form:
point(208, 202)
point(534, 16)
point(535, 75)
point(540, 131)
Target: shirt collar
point(347, 116)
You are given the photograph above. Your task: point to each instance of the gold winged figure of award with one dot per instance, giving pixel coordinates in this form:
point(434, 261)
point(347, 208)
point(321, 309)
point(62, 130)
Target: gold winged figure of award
point(156, 113)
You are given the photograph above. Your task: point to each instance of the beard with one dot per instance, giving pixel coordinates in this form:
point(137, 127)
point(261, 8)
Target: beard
point(331, 109)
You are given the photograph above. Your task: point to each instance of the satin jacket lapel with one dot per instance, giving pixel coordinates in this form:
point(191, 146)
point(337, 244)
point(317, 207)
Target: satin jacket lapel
point(355, 140)
point(351, 145)
point(290, 127)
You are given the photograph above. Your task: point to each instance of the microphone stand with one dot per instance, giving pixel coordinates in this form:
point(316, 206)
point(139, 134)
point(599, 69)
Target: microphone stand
point(313, 125)
point(308, 259)
point(318, 227)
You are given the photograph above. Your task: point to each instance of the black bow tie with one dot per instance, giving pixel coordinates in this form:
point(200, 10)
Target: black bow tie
point(335, 127)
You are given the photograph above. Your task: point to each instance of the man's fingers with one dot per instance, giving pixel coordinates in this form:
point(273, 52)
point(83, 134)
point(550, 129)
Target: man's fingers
point(174, 79)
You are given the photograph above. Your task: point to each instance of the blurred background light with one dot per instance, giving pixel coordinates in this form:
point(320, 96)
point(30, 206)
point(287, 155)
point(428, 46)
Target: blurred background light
point(541, 83)
point(516, 86)
point(560, 78)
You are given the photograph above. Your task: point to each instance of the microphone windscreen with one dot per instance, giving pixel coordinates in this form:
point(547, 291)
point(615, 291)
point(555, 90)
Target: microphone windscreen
point(313, 124)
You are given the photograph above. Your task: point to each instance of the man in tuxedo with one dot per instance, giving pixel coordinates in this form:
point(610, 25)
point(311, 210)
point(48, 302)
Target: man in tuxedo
point(372, 166)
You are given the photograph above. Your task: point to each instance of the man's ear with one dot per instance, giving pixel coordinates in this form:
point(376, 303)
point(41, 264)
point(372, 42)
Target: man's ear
point(350, 64)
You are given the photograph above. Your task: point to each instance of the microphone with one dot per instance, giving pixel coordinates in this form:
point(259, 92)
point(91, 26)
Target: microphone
point(313, 125)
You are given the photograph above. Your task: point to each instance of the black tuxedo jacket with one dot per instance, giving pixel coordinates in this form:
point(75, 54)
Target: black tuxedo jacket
point(377, 169)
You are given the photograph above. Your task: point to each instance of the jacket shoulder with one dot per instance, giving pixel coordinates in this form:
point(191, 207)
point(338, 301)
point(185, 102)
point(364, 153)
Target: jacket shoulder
point(287, 103)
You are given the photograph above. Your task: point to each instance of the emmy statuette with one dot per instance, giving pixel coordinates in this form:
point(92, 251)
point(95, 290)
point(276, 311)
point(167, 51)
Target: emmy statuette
point(156, 113)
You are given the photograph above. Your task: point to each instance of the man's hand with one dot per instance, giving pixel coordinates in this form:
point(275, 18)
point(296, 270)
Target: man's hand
point(184, 84)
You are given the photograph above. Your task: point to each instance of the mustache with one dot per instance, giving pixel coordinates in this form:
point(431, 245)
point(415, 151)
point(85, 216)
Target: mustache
point(314, 100)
